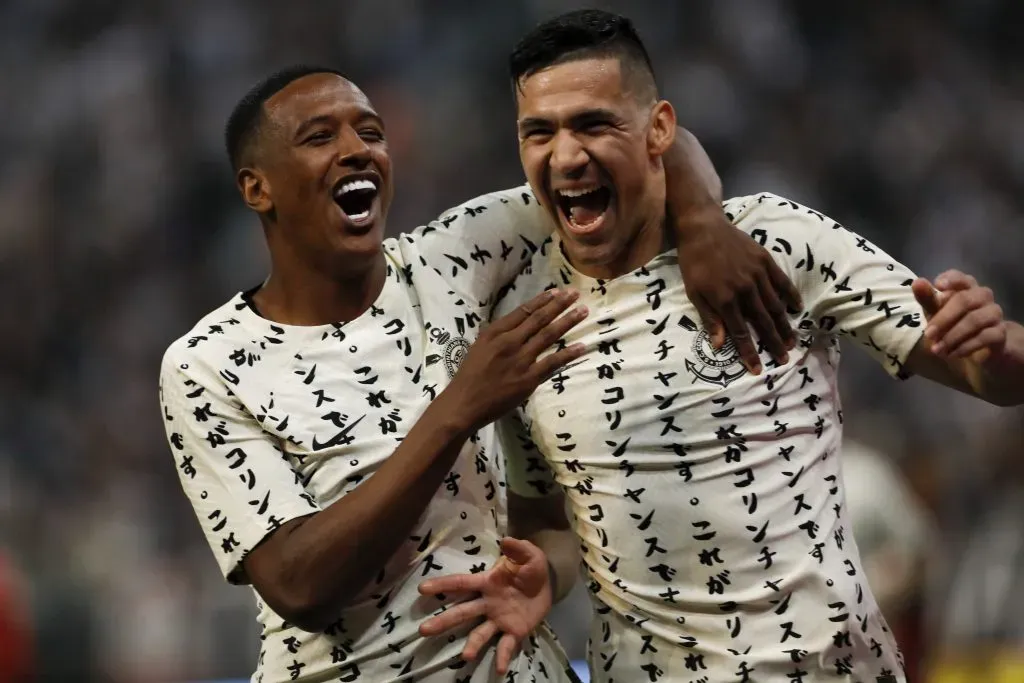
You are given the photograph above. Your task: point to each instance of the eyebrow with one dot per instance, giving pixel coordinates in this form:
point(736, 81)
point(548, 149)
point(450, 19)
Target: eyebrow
point(575, 119)
point(324, 119)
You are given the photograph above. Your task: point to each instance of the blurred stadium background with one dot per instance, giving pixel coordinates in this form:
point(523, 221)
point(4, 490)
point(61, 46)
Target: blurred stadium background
point(119, 226)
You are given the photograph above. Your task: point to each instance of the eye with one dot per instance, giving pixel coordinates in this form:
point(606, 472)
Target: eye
point(371, 134)
point(536, 134)
point(318, 138)
point(595, 127)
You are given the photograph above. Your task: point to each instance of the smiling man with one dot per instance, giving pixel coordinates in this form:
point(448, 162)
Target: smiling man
point(332, 426)
point(707, 501)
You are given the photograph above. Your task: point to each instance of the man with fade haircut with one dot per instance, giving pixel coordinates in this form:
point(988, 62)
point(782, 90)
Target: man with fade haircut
point(707, 501)
point(332, 426)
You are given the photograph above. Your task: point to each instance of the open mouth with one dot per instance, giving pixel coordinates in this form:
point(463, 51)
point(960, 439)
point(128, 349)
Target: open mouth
point(584, 208)
point(355, 198)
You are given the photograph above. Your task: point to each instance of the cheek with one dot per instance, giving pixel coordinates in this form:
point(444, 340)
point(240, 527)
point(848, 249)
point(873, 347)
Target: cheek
point(631, 172)
point(534, 165)
point(532, 161)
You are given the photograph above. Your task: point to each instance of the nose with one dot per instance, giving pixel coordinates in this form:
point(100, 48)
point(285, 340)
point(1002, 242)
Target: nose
point(568, 157)
point(353, 150)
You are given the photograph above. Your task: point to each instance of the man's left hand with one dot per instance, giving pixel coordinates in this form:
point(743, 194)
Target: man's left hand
point(963, 317)
point(731, 280)
point(514, 597)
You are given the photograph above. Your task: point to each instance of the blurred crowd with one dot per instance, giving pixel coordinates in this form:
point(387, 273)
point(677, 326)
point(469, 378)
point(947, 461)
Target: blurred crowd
point(120, 226)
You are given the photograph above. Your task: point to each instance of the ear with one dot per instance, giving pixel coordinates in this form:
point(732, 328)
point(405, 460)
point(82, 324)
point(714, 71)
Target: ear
point(255, 189)
point(662, 130)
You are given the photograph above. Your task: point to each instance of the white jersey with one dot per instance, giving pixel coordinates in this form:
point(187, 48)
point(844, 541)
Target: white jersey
point(708, 501)
point(268, 422)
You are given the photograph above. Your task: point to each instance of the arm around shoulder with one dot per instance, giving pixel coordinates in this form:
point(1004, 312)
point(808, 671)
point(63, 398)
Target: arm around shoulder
point(482, 244)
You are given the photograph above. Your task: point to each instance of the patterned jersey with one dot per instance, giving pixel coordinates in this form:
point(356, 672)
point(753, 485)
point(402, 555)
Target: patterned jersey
point(268, 422)
point(708, 501)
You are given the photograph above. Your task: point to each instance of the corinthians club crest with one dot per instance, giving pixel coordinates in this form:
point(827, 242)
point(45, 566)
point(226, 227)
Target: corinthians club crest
point(454, 349)
point(453, 355)
point(722, 367)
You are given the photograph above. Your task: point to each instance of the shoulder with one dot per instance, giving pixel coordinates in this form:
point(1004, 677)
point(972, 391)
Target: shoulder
point(210, 341)
point(767, 211)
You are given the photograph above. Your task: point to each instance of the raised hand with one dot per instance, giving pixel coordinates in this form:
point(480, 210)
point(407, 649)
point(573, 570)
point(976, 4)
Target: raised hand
point(514, 596)
point(503, 367)
point(963, 317)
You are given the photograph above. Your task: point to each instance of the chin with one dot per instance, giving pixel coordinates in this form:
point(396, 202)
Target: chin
point(591, 258)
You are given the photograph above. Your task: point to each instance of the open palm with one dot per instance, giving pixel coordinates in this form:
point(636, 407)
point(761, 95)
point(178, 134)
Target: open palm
point(514, 597)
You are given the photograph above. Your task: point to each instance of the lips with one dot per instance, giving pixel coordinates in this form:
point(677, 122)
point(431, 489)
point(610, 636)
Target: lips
point(356, 196)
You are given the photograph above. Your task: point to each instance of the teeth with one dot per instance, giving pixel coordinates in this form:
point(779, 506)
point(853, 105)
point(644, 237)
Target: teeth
point(353, 185)
point(578, 192)
point(359, 216)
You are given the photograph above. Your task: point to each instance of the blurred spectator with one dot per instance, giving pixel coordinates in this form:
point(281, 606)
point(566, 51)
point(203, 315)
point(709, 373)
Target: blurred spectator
point(17, 658)
point(120, 226)
point(896, 539)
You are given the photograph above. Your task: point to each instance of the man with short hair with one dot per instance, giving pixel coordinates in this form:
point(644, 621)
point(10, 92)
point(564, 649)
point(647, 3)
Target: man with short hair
point(707, 501)
point(331, 426)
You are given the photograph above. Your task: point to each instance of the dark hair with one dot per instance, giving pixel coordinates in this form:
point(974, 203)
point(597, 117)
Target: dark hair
point(244, 122)
point(585, 34)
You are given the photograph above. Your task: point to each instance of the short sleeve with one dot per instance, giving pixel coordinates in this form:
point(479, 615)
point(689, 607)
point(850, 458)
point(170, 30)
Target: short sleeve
point(527, 472)
point(232, 472)
point(850, 286)
point(479, 246)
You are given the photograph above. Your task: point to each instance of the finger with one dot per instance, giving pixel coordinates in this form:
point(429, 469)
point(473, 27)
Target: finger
point(776, 296)
point(736, 328)
point(955, 306)
point(926, 296)
point(478, 639)
point(514, 319)
point(454, 583)
point(782, 284)
point(768, 316)
point(453, 617)
point(981, 346)
point(548, 365)
point(543, 317)
point(553, 331)
point(519, 551)
point(972, 324)
point(955, 279)
point(710, 321)
point(507, 647)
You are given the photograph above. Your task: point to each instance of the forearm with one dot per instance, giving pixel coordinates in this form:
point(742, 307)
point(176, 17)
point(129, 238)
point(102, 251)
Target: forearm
point(332, 556)
point(692, 184)
point(563, 558)
point(1001, 380)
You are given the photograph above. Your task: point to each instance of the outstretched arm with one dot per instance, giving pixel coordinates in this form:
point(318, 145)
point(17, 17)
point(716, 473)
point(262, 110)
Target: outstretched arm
point(730, 278)
point(967, 345)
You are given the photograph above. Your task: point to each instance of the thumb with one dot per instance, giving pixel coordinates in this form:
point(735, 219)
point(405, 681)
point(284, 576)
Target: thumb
point(926, 295)
point(518, 551)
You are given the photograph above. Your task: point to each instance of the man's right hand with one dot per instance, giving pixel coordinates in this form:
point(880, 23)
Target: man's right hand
point(501, 369)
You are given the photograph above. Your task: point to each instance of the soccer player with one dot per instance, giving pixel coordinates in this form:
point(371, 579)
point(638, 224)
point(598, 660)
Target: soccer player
point(331, 427)
point(707, 501)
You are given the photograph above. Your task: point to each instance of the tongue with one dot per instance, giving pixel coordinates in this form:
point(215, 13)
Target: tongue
point(584, 215)
point(588, 208)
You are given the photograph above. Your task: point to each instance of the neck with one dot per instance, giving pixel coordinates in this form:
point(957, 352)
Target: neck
point(312, 297)
point(651, 240)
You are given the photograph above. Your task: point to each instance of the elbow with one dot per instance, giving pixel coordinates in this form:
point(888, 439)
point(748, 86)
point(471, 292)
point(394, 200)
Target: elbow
point(1006, 400)
point(309, 620)
point(307, 610)
point(306, 603)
